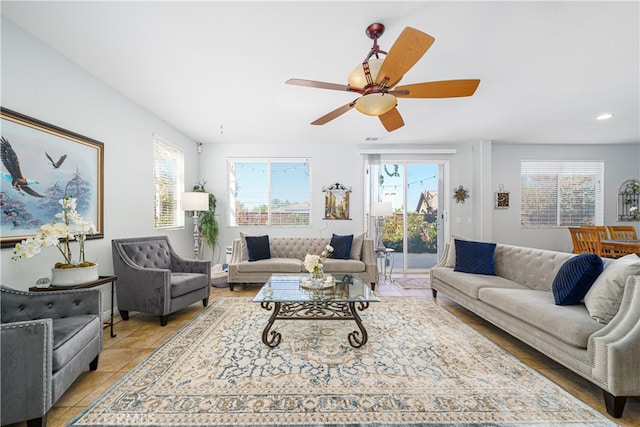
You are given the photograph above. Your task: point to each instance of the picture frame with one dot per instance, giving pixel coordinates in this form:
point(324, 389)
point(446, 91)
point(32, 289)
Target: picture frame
point(336, 202)
point(41, 163)
point(501, 198)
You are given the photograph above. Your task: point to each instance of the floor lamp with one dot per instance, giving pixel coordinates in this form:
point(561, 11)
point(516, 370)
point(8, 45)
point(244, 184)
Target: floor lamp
point(195, 202)
point(379, 210)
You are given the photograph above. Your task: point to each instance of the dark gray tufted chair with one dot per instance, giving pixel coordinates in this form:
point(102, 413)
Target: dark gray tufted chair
point(47, 339)
point(153, 279)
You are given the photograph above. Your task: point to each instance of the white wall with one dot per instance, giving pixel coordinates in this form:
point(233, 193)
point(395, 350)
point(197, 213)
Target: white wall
point(621, 162)
point(40, 83)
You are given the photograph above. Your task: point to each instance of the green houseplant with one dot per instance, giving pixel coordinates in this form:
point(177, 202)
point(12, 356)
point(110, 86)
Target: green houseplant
point(208, 224)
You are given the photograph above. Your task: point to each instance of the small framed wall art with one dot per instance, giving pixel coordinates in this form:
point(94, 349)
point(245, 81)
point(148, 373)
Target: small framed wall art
point(336, 201)
point(502, 198)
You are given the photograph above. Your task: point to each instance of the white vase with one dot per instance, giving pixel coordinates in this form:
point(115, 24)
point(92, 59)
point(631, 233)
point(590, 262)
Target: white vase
point(74, 276)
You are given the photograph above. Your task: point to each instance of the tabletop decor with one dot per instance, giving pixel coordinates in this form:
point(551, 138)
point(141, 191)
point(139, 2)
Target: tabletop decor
point(67, 227)
point(313, 263)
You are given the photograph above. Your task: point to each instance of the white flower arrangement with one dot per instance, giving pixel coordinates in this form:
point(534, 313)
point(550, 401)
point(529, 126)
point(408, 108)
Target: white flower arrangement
point(634, 211)
point(59, 234)
point(313, 263)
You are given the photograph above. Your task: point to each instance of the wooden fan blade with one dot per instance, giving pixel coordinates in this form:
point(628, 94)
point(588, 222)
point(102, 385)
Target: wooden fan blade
point(405, 52)
point(441, 89)
point(392, 120)
point(334, 114)
point(322, 85)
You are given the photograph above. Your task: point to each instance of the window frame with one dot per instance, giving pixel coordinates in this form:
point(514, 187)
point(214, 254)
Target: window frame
point(563, 169)
point(164, 150)
point(232, 220)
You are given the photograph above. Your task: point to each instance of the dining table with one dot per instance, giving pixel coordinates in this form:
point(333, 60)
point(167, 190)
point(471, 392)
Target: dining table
point(621, 247)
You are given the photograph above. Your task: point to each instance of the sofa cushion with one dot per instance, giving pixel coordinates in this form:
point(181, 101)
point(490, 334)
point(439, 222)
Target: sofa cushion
point(272, 265)
point(470, 284)
point(604, 298)
point(184, 283)
point(341, 246)
point(575, 277)
point(343, 266)
point(70, 335)
point(475, 257)
point(258, 247)
point(571, 323)
point(356, 247)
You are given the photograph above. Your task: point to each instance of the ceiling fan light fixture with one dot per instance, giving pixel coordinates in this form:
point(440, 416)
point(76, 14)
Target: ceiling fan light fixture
point(375, 104)
point(357, 78)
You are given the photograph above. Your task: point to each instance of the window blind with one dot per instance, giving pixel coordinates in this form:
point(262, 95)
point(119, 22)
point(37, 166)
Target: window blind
point(273, 192)
point(561, 193)
point(168, 182)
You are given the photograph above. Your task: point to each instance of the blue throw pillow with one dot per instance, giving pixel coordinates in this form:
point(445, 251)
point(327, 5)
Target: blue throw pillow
point(258, 248)
point(475, 257)
point(341, 246)
point(575, 277)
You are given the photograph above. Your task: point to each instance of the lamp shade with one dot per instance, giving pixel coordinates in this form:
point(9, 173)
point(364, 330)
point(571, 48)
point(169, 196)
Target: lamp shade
point(375, 104)
point(358, 79)
point(195, 201)
point(381, 209)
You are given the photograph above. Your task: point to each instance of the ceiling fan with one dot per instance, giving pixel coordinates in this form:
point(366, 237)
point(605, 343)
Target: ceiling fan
point(376, 79)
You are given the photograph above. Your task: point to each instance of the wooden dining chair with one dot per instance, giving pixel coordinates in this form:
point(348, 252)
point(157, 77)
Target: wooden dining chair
point(601, 229)
point(622, 232)
point(586, 240)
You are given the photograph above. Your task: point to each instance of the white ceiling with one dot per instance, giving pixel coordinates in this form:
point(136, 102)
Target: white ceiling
point(216, 70)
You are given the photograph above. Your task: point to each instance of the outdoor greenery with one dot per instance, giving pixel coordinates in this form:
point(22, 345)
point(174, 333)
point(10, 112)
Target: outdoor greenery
point(422, 232)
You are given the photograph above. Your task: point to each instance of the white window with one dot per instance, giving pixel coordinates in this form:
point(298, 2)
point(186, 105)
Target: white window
point(269, 192)
point(168, 184)
point(561, 193)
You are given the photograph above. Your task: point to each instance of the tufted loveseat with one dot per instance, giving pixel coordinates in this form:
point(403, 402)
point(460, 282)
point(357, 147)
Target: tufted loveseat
point(47, 339)
point(519, 299)
point(287, 255)
point(153, 279)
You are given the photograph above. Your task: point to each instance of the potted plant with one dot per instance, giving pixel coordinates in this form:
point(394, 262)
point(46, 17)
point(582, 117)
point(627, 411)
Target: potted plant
point(68, 226)
point(207, 222)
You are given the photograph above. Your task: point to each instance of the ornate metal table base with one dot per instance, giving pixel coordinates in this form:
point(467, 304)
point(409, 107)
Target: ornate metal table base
point(315, 310)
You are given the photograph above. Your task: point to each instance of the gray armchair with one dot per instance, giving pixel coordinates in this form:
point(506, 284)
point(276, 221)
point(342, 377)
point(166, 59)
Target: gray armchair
point(153, 279)
point(47, 339)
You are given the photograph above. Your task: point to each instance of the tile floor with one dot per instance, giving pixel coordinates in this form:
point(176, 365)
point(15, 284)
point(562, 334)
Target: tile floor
point(142, 334)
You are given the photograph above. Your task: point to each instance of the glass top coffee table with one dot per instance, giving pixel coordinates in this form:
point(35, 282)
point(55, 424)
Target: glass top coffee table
point(293, 297)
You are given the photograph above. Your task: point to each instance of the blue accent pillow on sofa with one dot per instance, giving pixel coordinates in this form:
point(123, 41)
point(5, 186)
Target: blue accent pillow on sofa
point(575, 277)
point(341, 246)
point(475, 257)
point(258, 247)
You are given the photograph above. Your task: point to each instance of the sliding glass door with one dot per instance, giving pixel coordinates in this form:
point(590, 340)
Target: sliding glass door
point(415, 228)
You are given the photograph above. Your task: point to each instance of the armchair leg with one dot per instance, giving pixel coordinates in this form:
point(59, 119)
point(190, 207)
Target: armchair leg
point(124, 314)
point(38, 422)
point(94, 364)
point(434, 293)
point(205, 302)
point(231, 287)
point(163, 320)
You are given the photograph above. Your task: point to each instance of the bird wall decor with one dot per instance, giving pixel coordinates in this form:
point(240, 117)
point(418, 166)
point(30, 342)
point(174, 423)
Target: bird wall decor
point(12, 164)
point(57, 164)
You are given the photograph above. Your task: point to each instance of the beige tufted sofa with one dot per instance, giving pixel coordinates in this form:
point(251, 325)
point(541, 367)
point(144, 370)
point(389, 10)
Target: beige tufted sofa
point(520, 301)
point(287, 255)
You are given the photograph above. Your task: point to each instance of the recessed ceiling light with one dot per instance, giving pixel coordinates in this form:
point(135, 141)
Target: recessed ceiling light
point(605, 116)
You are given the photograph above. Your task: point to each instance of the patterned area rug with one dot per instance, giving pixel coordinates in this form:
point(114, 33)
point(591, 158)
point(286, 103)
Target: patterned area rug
point(411, 282)
point(421, 366)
